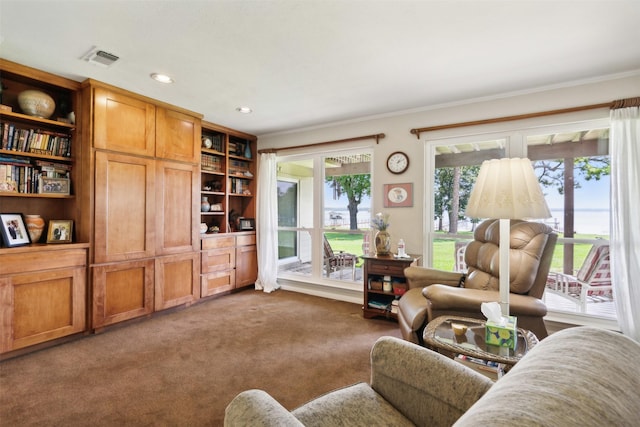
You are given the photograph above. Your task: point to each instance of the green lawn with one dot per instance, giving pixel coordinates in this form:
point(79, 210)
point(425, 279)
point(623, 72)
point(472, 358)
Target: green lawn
point(444, 252)
point(443, 258)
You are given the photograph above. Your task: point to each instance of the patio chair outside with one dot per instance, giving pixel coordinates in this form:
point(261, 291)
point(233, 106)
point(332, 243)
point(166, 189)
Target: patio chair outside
point(459, 247)
point(592, 283)
point(338, 262)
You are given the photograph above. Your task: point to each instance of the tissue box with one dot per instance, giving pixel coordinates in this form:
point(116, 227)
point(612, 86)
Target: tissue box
point(502, 335)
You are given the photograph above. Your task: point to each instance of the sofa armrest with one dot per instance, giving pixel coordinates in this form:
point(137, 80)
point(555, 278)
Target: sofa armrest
point(258, 409)
point(425, 386)
point(418, 277)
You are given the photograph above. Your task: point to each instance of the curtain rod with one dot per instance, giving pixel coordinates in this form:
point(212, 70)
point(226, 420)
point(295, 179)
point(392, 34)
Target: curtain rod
point(625, 103)
point(512, 118)
point(377, 137)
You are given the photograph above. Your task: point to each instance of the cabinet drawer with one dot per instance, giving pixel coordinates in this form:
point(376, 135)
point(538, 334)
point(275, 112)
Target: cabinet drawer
point(218, 260)
point(246, 240)
point(218, 242)
point(215, 283)
point(386, 269)
point(37, 260)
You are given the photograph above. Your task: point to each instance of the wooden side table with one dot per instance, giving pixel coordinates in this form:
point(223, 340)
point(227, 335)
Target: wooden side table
point(377, 300)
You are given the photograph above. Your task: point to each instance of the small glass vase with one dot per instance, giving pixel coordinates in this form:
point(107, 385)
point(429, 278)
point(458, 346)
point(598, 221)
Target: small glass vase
point(383, 242)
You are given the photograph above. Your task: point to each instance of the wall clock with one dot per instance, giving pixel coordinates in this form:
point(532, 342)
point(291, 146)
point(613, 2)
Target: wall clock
point(397, 162)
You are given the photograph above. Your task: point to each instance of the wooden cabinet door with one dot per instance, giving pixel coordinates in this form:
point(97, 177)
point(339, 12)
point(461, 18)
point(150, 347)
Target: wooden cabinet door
point(123, 123)
point(177, 136)
point(177, 280)
point(124, 207)
point(41, 306)
point(177, 207)
point(122, 291)
point(246, 265)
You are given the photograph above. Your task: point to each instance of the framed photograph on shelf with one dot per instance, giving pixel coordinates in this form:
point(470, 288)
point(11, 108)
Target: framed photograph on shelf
point(14, 232)
point(398, 195)
point(60, 231)
point(54, 186)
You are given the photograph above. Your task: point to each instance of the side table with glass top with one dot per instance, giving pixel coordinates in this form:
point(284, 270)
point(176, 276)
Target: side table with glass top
point(439, 336)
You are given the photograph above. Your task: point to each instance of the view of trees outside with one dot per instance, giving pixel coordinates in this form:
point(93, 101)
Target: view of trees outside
point(354, 187)
point(453, 185)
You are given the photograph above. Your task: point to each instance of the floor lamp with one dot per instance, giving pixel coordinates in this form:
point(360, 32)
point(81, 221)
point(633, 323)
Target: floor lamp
point(506, 189)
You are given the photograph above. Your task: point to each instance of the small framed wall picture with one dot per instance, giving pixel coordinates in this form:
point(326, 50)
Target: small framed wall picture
point(398, 195)
point(60, 231)
point(14, 232)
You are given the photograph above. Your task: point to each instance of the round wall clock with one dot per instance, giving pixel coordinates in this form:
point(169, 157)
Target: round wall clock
point(397, 162)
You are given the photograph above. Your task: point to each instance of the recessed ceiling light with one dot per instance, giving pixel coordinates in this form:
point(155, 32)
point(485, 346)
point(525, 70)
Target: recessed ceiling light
point(244, 110)
point(162, 78)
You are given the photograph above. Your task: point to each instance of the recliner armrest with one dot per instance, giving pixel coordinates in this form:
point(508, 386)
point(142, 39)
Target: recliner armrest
point(425, 386)
point(422, 276)
point(464, 299)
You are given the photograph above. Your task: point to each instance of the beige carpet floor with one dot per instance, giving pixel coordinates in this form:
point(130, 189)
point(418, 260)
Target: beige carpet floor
point(182, 368)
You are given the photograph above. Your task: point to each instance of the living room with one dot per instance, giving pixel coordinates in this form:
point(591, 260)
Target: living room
point(563, 92)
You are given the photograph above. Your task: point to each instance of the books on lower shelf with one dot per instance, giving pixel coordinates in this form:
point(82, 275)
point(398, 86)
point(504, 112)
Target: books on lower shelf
point(391, 306)
point(492, 370)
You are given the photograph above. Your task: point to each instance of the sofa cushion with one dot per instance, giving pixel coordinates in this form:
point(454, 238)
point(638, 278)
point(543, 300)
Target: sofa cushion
point(357, 405)
point(580, 376)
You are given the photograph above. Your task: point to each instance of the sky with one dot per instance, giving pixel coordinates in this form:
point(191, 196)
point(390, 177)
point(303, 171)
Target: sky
point(592, 195)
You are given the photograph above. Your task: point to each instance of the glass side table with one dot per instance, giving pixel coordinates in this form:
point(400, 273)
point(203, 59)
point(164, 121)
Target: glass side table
point(439, 336)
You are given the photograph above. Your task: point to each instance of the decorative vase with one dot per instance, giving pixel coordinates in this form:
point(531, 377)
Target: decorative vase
point(383, 243)
point(36, 103)
point(205, 206)
point(35, 225)
point(247, 150)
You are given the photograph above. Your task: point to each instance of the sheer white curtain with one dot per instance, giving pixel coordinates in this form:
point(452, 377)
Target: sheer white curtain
point(267, 224)
point(624, 150)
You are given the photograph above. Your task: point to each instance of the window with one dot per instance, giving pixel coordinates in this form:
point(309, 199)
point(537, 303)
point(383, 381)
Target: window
point(324, 214)
point(572, 163)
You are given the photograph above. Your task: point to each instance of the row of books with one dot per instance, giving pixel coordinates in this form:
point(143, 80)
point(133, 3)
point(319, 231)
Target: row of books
point(216, 143)
point(238, 167)
point(391, 306)
point(35, 141)
point(210, 163)
point(26, 176)
point(237, 148)
point(239, 186)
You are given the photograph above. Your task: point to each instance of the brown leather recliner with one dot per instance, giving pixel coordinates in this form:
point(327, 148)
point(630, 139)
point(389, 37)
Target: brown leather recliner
point(434, 293)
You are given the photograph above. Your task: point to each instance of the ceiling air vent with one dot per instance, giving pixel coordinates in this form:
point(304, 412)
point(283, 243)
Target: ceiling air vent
point(100, 57)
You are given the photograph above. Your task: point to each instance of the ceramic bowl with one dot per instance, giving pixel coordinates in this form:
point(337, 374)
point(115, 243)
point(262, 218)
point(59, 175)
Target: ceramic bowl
point(36, 103)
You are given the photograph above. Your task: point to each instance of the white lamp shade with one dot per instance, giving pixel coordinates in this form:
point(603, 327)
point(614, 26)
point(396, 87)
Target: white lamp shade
point(507, 189)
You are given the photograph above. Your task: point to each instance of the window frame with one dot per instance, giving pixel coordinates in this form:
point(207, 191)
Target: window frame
point(515, 134)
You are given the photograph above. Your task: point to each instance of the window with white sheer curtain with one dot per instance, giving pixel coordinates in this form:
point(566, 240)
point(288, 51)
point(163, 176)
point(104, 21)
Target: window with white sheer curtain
point(625, 198)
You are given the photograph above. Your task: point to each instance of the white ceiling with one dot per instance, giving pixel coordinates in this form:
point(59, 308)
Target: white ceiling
point(302, 63)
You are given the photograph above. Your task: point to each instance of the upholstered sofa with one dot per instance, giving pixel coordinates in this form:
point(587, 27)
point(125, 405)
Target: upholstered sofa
point(580, 376)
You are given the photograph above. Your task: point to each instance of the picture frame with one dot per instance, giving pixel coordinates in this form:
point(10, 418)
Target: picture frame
point(60, 231)
point(60, 186)
point(14, 231)
point(398, 195)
